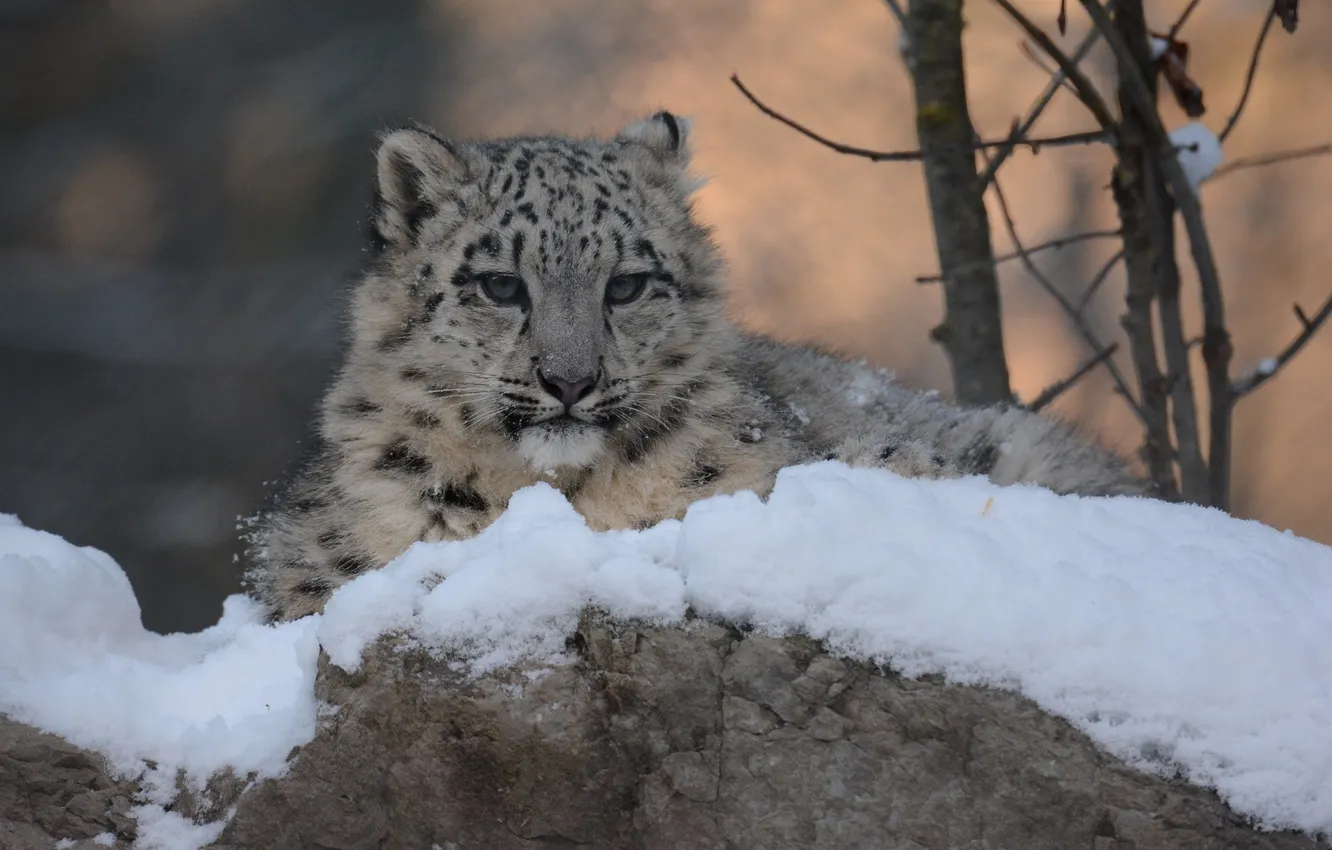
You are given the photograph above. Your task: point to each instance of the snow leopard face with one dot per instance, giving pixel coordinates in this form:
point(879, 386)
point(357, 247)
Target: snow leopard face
point(556, 291)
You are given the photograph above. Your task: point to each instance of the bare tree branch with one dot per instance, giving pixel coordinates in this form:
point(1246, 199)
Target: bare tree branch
point(1269, 159)
point(1086, 138)
point(1078, 321)
point(1052, 245)
point(1132, 188)
point(1217, 348)
point(1099, 278)
point(1058, 388)
point(1087, 92)
point(1148, 211)
point(1267, 369)
point(1023, 127)
point(1180, 21)
point(1038, 60)
point(896, 8)
point(1248, 77)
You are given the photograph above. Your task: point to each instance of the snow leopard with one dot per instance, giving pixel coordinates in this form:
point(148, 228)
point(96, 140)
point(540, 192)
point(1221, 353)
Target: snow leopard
point(547, 308)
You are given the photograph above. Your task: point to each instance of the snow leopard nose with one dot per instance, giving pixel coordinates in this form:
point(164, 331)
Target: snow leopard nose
point(569, 393)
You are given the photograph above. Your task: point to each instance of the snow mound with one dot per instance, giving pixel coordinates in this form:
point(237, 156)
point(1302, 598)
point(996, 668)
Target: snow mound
point(1177, 637)
point(75, 661)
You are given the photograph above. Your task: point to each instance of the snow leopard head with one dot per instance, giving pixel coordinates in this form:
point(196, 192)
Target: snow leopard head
point(555, 290)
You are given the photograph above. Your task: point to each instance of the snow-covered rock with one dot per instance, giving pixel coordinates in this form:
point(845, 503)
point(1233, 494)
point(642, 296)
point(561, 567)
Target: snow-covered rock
point(1177, 639)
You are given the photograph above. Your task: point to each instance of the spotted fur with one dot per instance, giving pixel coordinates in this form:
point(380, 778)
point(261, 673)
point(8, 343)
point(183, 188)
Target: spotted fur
point(514, 277)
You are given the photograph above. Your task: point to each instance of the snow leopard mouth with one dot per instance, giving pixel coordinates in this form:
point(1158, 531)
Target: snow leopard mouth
point(562, 423)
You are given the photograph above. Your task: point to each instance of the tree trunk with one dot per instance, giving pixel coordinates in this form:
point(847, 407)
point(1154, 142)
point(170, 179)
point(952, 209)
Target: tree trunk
point(971, 332)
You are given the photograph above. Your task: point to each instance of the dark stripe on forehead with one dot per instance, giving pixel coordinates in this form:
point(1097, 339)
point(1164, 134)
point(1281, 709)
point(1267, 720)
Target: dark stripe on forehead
point(517, 250)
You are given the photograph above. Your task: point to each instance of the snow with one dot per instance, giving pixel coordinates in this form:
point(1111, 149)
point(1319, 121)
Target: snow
point(1159, 47)
point(1199, 151)
point(1267, 366)
point(1178, 638)
point(867, 383)
point(101, 839)
point(162, 830)
point(75, 661)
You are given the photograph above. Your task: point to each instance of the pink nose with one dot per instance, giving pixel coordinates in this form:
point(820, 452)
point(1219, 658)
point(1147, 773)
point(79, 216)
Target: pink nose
point(569, 393)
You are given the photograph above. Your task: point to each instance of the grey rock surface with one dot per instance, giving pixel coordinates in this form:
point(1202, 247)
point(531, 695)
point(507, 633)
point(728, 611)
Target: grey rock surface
point(52, 790)
point(709, 739)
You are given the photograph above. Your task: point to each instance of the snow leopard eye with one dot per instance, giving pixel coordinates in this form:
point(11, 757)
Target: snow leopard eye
point(624, 288)
point(502, 288)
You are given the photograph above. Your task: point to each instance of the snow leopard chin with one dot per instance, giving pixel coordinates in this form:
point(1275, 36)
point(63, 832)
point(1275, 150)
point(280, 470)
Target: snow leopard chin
point(561, 444)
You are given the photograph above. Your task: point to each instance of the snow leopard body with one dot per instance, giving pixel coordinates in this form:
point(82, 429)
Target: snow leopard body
point(549, 309)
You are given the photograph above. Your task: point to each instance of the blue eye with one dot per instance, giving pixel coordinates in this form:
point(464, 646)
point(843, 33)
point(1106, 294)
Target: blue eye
point(502, 288)
point(624, 288)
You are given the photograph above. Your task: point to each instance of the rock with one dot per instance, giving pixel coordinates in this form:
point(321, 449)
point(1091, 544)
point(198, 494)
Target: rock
point(52, 790)
point(654, 739)
point(707, 739)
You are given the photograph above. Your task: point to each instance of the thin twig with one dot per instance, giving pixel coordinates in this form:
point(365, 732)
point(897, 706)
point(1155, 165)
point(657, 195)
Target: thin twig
point(1058, 388)
point(1179, 22)
point(1052, 245)
point(1087, 93)
point(1074, 315)
point(1058, 81)
point(1100, 277)
point(1268, 159)
point(1035, 58)
point(1248, 77)
point(904, 45)
point(1086, 138)
point(1267, 369)
point(898, 13)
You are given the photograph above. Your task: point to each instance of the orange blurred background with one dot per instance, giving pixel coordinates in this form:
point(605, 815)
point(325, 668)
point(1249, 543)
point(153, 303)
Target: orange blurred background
point(185, 181)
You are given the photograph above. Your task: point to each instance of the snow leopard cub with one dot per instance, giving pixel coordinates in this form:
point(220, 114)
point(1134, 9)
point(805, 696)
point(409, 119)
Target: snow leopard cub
point(548, 309)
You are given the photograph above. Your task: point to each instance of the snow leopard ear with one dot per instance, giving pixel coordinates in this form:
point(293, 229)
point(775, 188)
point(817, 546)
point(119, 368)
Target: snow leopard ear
point(664, 134)
point(415, 171)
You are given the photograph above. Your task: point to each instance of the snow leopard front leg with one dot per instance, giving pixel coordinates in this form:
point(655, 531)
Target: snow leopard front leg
point(907, 456)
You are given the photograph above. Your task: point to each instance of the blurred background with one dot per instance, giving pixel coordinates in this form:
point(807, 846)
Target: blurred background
point(183, 186)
